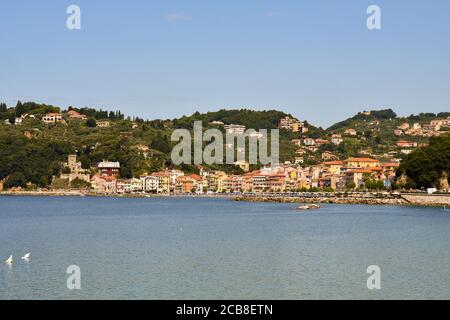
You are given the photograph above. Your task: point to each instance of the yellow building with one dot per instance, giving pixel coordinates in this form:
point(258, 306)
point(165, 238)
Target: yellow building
point(216, 181)
point(361, 163)
point(220, 181)
point(163, 181)
point(334, 167)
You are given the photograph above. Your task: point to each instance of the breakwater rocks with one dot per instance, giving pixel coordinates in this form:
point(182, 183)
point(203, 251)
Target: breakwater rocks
point(351, 198)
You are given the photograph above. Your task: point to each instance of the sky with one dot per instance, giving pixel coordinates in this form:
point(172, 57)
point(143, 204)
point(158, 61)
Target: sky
point(159, 59)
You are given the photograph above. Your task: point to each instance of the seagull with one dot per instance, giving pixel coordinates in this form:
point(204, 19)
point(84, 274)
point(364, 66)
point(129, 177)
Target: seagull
point(26, 257)
point(10, 260)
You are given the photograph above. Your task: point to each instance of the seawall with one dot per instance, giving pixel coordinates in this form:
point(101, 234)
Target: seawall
point(353, 198)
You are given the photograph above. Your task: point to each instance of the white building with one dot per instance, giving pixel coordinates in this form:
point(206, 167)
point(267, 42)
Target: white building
point(337, 139)
point(52, 118)
point(150, 184)
point(234, 129)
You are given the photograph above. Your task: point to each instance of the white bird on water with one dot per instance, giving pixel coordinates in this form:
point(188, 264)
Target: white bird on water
point(27, 257)
point(10, 260)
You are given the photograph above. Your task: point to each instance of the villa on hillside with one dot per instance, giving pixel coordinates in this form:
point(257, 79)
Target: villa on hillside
point(350, 132)
point(406, 144)
point(234, 129)
point(103, 123)
point(336, 139)
point(51, 118)
point(361, 162)
point(291, 124)
point(75, 115)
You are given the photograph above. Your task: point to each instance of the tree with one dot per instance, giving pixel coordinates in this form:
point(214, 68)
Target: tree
point(371, 184)
point(12, 119)
point(160, 143)
point(426, 166)
point(3, 107)
point(80, 184)
point(91, 123)
point(20, 109)
point(17, 179)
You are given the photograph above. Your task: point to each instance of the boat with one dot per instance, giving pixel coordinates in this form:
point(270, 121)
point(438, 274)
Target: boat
point(309, 207)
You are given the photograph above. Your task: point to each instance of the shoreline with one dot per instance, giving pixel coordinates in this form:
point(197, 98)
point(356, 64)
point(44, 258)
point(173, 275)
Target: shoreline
point(101, 195)
point(364, 198)
point(317, 198)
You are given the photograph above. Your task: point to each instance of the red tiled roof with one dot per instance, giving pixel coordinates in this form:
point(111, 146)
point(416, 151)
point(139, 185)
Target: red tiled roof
point(332, 163)
point(361, 160)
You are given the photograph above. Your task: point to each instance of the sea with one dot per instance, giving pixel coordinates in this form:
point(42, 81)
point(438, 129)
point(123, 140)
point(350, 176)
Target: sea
point(213, 248)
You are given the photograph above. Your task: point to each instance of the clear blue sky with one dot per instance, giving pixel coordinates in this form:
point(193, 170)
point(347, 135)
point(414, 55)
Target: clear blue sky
point(165, 58)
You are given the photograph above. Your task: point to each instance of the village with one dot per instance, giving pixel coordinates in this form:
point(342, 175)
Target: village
point(363, 172)
point(351, 174)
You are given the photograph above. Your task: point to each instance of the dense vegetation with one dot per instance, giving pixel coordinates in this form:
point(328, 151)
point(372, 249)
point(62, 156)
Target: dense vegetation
point(427, 167)
point(24, 161)
point(362, 116)
point(249, 118)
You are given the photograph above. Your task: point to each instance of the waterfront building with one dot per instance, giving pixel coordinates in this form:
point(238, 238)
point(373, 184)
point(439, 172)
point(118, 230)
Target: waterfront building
point(136, 185)
point(164, 182)
point(185, 184)
point(234, 183)
point(150, 184)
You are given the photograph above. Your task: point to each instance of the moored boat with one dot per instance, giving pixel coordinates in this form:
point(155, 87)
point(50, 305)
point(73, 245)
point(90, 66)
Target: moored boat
point(309, 207)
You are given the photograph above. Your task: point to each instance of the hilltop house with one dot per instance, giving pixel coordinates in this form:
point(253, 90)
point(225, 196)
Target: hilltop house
point(234, 129)
point(51, 118)
point(75, 115)
point(290, 124)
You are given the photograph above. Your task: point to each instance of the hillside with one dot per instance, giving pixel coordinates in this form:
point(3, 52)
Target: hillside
point(32, 151)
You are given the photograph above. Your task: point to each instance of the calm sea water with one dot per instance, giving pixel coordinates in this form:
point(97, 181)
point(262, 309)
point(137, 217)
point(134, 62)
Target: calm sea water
point(186, 248)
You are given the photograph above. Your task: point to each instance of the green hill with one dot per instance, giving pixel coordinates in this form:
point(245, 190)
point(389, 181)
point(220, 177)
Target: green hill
point(32, 152)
